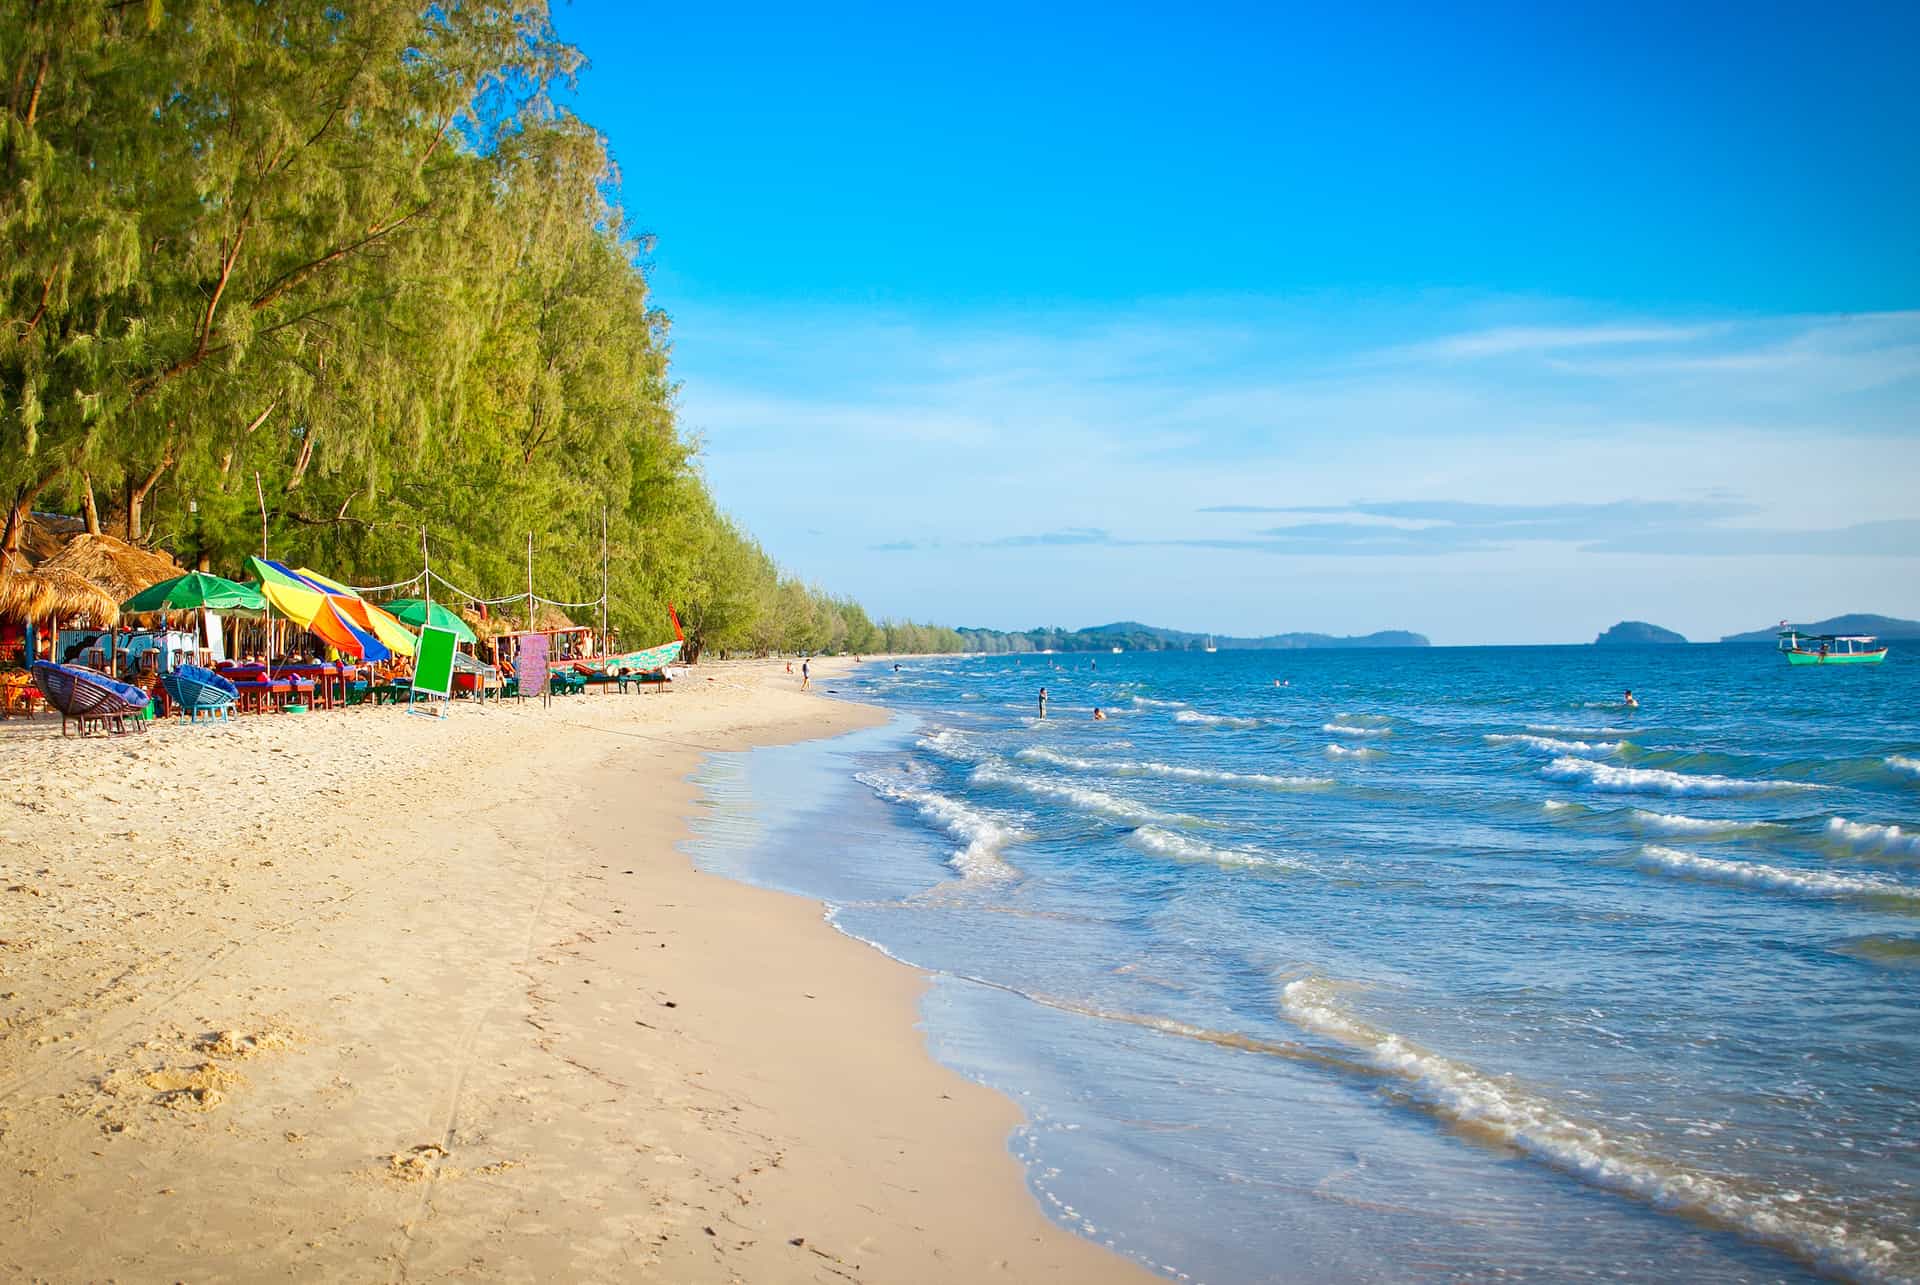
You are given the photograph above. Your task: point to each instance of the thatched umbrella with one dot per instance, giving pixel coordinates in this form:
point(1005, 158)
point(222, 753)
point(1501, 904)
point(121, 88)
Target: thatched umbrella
point(120, 568)
point(109, 566)
point(44, 593)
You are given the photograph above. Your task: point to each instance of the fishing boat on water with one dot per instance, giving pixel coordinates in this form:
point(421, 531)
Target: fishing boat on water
point(1210, 648)
point(1830, 649)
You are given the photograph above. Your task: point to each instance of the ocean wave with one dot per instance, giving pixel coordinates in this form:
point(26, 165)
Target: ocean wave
point(1181, 847)
point(1674, 823)
point(1756, 873)
point(1653, 780)
point(1153, 702)
point(948, 744)
point(1536, 1126)
point(1548, 745)
point(1214, 720)
point(1866, 837)
point(1352, 751)
point(981, 836)
point(1086, 800)
point(1348, 729)
point(1562, 729)
point(1903, 765)
point(1172, 771)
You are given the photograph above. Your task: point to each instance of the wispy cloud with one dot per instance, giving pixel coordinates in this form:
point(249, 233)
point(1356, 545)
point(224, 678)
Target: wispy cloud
point(1505, 341)
point(1044, 539)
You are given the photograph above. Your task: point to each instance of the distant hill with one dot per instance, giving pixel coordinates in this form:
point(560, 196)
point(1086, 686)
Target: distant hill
point(1131, 635)
point(1891, 627)
point(1636, 633)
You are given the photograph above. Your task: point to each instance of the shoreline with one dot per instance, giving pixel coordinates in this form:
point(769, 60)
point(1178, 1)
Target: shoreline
point(268, 1008)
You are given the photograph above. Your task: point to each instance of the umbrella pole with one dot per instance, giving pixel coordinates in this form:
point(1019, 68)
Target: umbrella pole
point(603, 586)
point(261, 495)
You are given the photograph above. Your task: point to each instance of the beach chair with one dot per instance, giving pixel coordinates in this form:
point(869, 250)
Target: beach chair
point(196, 691)
point(89, 698)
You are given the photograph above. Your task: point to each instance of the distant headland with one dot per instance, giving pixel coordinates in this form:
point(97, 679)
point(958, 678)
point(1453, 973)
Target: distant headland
point(1636, 633)
point(1131, 635)
point(1857, 622)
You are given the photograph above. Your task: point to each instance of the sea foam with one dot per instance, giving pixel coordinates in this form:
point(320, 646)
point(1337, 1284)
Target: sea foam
point(1759, 874)
point(1173, 771)
point(1459, 1092)
point(1674, 823)
point(1214, 720)
point(981, 836)
point(1873, 838)
point(1903, 765)
point(1352, 751)
point(1653, 780)
point(1086, 800)
point(948, 744)
point(1348, 729)
point(1182, 847)
point(1549, 745)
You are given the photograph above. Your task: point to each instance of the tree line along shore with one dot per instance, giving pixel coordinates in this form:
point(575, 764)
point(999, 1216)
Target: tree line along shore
point(322, 277)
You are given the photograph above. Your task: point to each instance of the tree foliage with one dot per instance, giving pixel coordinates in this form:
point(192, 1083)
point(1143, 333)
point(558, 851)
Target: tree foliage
point(353, 262)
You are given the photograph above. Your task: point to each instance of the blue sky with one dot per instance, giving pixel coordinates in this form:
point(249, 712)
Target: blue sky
point(1500, 328)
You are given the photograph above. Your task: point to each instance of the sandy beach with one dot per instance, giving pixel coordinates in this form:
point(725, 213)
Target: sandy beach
point(360, 996)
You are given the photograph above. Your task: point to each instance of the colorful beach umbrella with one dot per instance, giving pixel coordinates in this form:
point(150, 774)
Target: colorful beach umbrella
point(193, 592)
point(418, 611)
point(332, 612)
point(397, 638)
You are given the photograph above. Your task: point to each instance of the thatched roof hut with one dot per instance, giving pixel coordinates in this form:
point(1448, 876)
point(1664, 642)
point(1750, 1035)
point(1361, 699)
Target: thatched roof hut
point(47, 593)
point(511, 618)
point(118, 568)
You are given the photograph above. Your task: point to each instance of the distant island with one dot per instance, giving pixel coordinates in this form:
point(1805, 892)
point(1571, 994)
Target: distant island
point(1131, 635)
point(1636, 633)
point(1891, 627)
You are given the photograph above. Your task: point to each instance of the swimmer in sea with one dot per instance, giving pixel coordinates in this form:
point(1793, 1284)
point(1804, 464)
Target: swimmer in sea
point(1631, 702)
point(1099, 715)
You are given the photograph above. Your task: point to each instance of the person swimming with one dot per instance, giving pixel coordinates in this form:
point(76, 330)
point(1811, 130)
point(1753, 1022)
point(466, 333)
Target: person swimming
point(1099, 715)
point(1631, 702)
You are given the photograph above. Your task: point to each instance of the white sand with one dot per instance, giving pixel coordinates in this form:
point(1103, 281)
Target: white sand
point(357, 996)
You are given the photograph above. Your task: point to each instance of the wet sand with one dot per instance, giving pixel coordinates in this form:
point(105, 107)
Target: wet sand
point(360, 996)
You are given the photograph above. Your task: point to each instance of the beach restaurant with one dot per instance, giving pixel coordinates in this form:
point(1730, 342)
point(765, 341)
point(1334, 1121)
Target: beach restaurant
point(111, 635)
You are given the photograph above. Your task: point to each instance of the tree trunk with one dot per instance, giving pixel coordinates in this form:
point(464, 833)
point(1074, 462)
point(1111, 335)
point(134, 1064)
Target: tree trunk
point(17, 517)
point(299, 474)
point(87, 505)
point(138, 496)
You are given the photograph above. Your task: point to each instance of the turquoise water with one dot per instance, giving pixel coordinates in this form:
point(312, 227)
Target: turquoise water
point(1434, 964)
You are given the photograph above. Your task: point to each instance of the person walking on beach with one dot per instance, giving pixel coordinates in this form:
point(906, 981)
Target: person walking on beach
point(1043, 702)
point(806, 673)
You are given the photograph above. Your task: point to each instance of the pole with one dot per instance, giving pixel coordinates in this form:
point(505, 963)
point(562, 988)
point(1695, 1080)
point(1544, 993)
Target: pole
point(261, 495)
point(529, 582)
point(603, 585)
point(426, 576)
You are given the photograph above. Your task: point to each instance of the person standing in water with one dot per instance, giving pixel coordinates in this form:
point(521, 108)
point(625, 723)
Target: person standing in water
point(1043, 702)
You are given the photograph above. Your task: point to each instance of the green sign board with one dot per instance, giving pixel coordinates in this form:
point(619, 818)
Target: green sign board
point(433, 662)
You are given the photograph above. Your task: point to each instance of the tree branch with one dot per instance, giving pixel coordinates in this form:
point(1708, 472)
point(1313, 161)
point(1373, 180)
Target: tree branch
point(295, 276)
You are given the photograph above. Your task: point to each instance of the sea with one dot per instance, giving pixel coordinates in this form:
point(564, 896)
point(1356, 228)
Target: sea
point(1400, 964)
